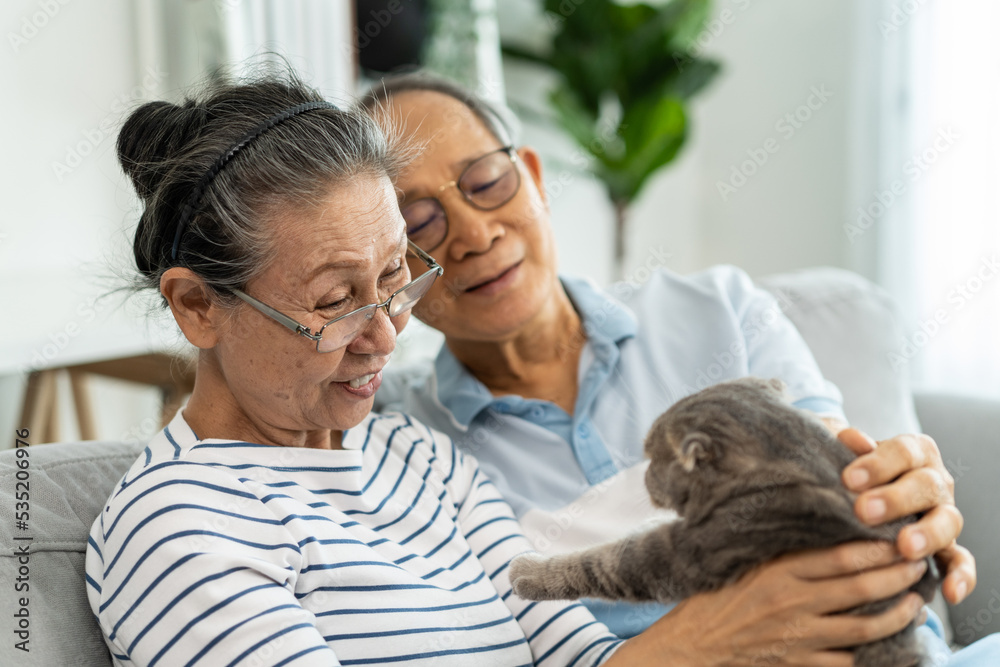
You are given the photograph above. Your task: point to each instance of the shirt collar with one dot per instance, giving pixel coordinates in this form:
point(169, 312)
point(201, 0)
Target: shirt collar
point(458, 391)
point(605, 320)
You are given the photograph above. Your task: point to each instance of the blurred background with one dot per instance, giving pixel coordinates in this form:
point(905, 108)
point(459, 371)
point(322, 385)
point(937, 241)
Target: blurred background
point(859, 134)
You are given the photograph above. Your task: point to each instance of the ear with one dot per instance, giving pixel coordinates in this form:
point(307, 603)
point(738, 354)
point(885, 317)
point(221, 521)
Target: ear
point(197, 314)
point(695, 449)
point(533, 163)
point(777, 386)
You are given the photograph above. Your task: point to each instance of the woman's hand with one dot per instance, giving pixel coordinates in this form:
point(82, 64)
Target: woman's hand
point(785, 612)
point(902, 476)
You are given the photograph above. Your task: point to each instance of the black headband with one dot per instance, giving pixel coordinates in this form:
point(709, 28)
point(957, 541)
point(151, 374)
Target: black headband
point(190, 205)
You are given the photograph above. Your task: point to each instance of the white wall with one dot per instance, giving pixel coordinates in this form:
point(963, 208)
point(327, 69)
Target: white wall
point(790, 212)
point(71, 71)
point(66, 89)
point(69, 76)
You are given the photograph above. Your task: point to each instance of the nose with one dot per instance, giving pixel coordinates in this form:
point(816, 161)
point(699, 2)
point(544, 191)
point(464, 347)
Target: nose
point(378, 338)
point(470, 231)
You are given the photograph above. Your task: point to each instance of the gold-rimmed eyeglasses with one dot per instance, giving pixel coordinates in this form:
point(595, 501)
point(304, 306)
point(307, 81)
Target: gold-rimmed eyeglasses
point(487, 183)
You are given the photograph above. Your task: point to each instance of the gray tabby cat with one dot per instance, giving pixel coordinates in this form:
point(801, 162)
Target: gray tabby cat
point(752, 478)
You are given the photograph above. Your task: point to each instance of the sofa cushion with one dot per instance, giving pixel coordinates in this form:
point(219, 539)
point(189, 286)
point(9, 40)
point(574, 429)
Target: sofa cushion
point(68, 485)
point(967, 430)
point(849, 324)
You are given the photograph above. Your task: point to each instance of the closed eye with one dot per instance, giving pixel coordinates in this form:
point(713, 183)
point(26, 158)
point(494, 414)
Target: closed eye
point(483, 187)
point(417, 227)
point(395, 273)
point(339, 304)
point(420, 214)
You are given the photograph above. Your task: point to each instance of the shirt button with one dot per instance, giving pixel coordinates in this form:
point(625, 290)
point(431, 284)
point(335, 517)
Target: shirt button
point(537, 412)
point(583, 430)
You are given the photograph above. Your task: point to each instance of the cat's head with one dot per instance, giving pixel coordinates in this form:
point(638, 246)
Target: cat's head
point(719, 432)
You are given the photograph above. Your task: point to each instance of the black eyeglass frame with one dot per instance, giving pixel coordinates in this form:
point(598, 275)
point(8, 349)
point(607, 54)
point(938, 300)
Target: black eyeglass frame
point(434, 270)
point(511, 152)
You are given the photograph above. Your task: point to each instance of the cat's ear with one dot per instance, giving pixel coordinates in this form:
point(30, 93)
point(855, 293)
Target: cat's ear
point(777, 386)
point(695, 449)
point(774, 387)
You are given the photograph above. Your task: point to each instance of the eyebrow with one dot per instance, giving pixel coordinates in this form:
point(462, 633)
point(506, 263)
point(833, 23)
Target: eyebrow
point(461, 165)
point(349, 263)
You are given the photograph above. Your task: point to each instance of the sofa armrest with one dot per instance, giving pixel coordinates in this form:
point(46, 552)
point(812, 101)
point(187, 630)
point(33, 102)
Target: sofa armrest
point(69, 484)
point(967, 431)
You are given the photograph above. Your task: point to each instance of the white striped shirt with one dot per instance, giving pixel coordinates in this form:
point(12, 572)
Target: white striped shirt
point(393, 550)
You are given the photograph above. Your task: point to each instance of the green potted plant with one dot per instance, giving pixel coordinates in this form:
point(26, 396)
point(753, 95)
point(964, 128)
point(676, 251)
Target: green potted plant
point(625, 72)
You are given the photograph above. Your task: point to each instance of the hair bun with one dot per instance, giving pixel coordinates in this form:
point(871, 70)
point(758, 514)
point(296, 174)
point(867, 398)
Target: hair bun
point(152, 135)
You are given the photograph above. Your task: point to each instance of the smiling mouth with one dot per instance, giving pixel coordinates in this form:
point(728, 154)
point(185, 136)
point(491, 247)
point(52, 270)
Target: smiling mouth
point(494, 278)
point(361, 381)
point(363, 386)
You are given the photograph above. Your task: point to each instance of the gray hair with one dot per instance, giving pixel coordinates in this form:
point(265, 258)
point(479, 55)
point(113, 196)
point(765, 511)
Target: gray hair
point(166, 149)
point(497, 118)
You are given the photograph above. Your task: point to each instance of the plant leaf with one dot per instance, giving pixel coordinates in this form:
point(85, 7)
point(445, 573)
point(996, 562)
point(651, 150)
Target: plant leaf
point(654, 131)
point(642, 59)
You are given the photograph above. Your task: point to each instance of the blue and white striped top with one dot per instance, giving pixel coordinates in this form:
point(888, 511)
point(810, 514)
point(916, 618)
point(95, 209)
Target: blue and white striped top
point(393, 550)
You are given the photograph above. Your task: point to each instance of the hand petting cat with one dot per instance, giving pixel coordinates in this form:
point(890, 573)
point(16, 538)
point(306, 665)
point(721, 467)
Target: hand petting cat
point(902, 476)
point(785, 612)
point(758, 489)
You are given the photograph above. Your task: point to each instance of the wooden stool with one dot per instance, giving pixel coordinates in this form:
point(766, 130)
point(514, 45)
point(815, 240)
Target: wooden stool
point(174, 376)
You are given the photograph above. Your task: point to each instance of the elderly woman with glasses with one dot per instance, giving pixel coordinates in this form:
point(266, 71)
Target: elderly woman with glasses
point(275, 521)
point(553, 384)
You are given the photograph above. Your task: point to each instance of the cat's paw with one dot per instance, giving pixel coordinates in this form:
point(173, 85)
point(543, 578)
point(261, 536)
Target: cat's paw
point(527, 577)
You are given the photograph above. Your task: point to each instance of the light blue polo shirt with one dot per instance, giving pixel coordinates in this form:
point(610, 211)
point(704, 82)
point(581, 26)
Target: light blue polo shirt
point(577, 480)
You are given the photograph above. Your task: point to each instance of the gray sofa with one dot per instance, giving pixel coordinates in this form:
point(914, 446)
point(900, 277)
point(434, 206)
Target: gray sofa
point(69, 484)
point(846, 321)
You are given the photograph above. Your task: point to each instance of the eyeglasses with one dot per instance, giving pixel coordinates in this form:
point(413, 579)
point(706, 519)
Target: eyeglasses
point(341, 331)
point(488, 183)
